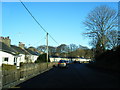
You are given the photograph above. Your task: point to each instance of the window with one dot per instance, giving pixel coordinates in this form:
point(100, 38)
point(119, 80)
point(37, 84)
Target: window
point(6, 59)
point(15, 60)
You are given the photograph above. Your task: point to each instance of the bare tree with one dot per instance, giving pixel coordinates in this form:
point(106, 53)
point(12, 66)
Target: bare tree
point(113, 39)
point(72, 48)
point(62, 48)
point(42, 48)
point(52, 50)
point(119, 23)
point(99, 23)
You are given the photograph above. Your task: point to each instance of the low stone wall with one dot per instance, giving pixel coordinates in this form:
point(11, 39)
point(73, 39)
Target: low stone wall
point(12, 77)
point(0, 78)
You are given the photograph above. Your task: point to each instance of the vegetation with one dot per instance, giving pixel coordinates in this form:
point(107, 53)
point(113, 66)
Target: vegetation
point(101, 25)
point(42, 58)
point(109, 59)
point(71, 50)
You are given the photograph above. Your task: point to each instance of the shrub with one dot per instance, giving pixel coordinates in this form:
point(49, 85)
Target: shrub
point(42, 58)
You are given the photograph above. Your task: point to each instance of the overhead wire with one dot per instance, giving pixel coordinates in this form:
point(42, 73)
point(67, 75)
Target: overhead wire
point(37, 21)
point(43, 38)
point(53, 39)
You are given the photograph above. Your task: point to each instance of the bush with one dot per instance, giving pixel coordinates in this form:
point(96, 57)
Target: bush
point(109, 59)
point(42, 58)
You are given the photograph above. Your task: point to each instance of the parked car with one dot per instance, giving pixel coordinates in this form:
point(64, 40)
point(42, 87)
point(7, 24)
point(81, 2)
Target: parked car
point(62, 63)
point(69, 62)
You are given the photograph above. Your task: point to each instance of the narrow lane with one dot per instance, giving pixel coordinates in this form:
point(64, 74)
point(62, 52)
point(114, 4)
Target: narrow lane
point(75, 76)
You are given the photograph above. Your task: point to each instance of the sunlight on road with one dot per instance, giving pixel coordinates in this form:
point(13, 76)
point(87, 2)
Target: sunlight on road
point(15, 87)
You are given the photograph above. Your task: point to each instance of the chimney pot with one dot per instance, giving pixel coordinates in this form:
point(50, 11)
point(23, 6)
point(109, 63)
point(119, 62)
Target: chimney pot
point(21, 45)
point(6, 40)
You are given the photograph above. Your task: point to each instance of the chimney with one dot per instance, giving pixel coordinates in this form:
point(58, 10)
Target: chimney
point(21, 45)
point(1, 39)
point(5, 40)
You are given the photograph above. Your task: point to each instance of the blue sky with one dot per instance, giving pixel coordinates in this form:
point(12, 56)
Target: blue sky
point(63, 20)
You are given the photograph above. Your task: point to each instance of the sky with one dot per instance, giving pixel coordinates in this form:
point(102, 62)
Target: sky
point(63, 20)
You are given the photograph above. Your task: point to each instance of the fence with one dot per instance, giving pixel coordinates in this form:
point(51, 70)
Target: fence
point(12, 77)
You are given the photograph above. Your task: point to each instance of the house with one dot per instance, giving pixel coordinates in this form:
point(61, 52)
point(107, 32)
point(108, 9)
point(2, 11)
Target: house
point(33, 55)
point(35, 50)
point(54, 59)
point(7, 54)
point(57, 58)
point(14, 55)
point(23, 55)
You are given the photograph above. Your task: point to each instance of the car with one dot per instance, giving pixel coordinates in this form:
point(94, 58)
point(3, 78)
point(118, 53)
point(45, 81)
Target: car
point(62, 63)
point(69, 62)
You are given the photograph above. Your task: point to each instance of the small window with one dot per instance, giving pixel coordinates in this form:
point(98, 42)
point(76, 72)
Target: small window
point(14, 59)
point(6, 59)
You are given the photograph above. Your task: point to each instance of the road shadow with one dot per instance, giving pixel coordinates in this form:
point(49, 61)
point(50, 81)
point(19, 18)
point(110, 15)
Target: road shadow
point(104, 70)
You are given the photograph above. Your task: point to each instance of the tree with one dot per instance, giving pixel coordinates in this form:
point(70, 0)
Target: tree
point(42, 48)
point(72, 48)
point(99, 23)
point(119, 24)
point(113, 39)
point(51, 50)
point(62, 49)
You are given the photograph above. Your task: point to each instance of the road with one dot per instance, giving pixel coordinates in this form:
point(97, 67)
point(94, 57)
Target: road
point(74, 76)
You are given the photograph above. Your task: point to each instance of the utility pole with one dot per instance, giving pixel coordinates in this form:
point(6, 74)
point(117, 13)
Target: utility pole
point(47, 48)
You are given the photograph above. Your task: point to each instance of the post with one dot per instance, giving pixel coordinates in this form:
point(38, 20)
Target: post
point(47, 48)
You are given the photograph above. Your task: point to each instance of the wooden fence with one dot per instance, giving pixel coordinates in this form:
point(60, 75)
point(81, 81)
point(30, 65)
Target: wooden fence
point(12, 77)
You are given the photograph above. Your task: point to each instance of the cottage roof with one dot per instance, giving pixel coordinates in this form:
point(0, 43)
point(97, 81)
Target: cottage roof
point(54, 56)
point(20, 50)
point(14, 50)
point(33, 52)
point(5, 48)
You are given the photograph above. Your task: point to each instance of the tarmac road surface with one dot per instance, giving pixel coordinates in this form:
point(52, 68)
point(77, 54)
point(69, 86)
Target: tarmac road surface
point(74, 76)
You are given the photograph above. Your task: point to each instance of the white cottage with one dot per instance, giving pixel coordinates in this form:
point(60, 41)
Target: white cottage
point(33, 55)
point(24, 56)
point(14, 55)
point(7, 55)
point(11, 54)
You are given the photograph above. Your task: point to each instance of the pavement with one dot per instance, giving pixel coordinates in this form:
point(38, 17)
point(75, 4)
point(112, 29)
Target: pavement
point(74, 76)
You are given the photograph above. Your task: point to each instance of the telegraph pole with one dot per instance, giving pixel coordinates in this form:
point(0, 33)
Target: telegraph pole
point(47, 48)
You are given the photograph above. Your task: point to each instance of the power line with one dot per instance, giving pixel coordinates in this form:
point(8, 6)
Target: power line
point(37, 21)
point(32, 16)
point(39, 40)
point(53, 39)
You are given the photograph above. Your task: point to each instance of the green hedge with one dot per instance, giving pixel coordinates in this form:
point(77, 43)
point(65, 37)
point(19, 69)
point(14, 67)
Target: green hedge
point(42, 58)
